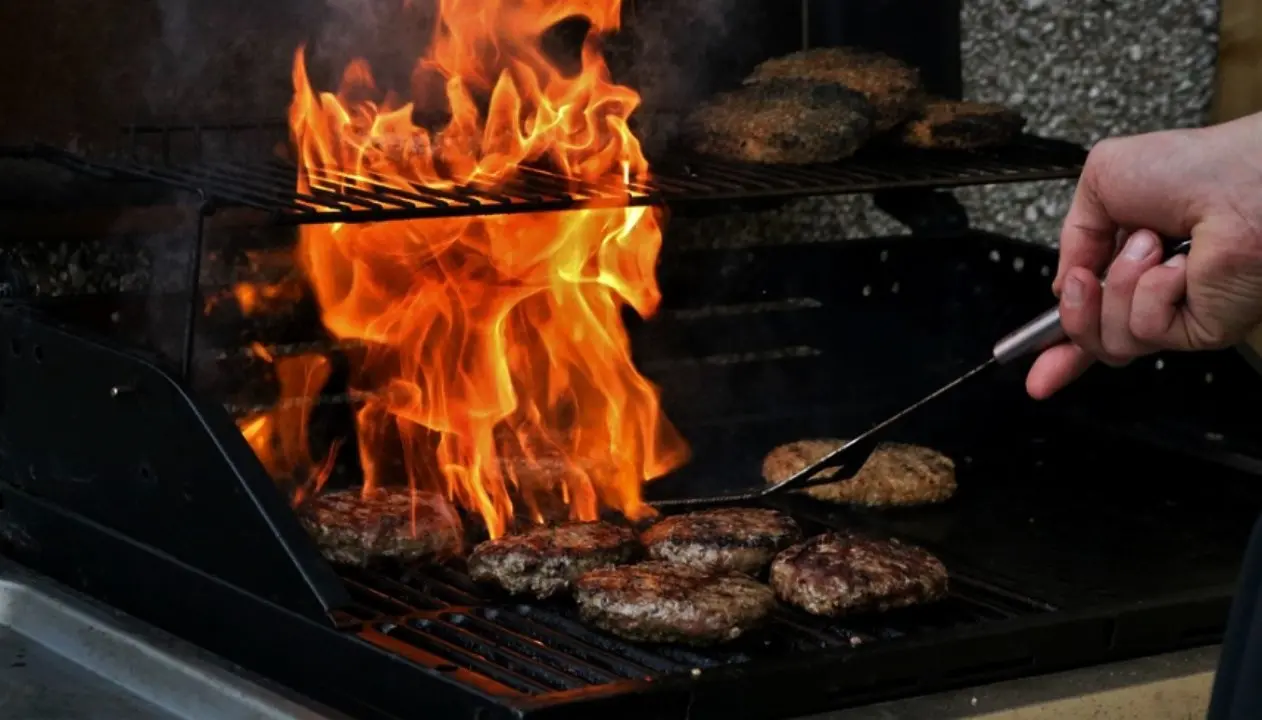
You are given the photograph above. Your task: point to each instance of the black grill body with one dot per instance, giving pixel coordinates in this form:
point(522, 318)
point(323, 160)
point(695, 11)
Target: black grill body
point(1096, 526)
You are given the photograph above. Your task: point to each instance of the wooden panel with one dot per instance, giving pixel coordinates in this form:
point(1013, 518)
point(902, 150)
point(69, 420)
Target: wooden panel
point(1238, 90)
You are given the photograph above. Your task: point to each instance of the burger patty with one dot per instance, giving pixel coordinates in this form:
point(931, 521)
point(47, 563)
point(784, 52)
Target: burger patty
point(962, 125)
point(667, 602)
point(894, 474)
point(388, 523)
point(723, 539)
point(782, 121)
point(840, 573)
point(543, 561)
point(892, 88)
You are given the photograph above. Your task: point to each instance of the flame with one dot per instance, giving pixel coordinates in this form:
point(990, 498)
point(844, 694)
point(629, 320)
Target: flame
point(498, 368)
point(280, 436)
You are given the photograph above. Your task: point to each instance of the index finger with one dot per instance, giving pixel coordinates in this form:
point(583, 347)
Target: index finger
point(1089, 234)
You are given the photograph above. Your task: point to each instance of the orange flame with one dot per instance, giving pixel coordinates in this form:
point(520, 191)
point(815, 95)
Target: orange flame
point(498, 368)
point(280, 437)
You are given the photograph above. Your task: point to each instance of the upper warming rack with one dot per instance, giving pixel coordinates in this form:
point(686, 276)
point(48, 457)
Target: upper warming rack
point(270, 185)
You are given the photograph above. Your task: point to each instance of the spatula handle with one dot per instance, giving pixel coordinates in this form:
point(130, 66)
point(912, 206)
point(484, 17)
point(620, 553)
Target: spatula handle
point(1045, 330)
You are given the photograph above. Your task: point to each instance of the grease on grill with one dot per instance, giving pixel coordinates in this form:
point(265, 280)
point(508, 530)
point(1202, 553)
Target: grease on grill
point(666, 602)
point(841, 573)
point(782, 121)
point(895, 474)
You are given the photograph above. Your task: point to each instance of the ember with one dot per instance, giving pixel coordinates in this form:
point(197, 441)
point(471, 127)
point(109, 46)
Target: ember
point(497, 366)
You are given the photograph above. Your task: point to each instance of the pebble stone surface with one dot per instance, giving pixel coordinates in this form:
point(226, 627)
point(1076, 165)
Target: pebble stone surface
point(1079, 70)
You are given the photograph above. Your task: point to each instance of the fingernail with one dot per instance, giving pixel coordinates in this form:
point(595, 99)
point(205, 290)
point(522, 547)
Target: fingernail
point(1072, 294)
point(1139, 246)
point(1177, 261)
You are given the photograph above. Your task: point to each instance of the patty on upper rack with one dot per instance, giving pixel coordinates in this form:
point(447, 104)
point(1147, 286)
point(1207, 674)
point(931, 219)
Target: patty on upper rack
point(894, 474)
point(962, 125)
point(892, 87)
point(782, 121)
point(543, 561)
point(357, 528)
point(667, 602)
point(740, 539)
point(840, 573)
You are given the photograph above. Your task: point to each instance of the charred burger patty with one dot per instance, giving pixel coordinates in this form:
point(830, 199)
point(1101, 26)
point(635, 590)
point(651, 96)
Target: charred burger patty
point(739, 539)
point(667, 602)
point(892, 87)
point(386, 523)
point(962, 125)
point(543, 561)
point(840, 573)
point(894, 474)
point(782, 121)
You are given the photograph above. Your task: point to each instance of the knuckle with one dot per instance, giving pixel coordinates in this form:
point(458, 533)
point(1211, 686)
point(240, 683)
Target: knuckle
point(1209, 335)
point(1102, 156)
point(1116, 348)
point(1145, 329)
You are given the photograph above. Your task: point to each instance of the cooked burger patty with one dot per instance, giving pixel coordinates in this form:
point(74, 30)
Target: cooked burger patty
point(667, 602)
point(962, 125)
point(389, 523)
point(740, 539)
point(543, 561)
point(839, 573)
point(893, 88)
point(894, 474)
point(782, 121)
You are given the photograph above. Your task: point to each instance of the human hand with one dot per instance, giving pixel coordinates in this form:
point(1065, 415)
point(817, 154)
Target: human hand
point(1205, 184)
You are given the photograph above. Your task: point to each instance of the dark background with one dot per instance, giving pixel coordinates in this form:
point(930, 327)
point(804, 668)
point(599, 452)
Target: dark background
point(72, 72)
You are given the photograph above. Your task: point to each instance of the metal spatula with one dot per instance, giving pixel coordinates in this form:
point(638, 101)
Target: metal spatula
point(1035, 336)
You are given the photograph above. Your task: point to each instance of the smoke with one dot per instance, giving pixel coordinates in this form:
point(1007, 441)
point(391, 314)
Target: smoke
point(225, 60)
point(675, 54)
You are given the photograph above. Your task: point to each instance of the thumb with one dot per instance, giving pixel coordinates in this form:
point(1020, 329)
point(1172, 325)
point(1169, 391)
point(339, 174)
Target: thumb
point(1159, 317)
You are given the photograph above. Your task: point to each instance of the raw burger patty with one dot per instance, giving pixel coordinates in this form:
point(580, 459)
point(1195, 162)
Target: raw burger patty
point(894, 474)
point(782, 121)
point(839, 573)
point(962, 125)
point(543, 561)
point(892, 87)
point(666, 602)
point(389, 524)
point(740, 539)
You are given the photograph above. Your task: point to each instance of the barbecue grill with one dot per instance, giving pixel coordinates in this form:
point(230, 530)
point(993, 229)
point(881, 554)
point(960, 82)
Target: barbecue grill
point(1092, 527)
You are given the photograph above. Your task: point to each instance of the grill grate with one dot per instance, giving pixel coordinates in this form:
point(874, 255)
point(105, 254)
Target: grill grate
point(269, 186)
point(538, 649)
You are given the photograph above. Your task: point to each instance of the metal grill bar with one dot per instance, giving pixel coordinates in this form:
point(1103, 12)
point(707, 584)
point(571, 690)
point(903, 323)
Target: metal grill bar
point(535, 650)
point(271, 186)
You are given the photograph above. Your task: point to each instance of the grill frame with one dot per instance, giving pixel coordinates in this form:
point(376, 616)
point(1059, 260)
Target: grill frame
point(85, 547)
point(232, 176)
